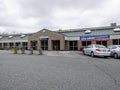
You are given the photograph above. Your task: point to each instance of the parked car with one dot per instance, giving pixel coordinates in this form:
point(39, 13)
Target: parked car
point(115, 50)
point(96, 50)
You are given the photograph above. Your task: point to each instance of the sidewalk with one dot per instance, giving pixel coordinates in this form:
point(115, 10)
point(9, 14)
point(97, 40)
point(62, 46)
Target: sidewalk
point(54, 53)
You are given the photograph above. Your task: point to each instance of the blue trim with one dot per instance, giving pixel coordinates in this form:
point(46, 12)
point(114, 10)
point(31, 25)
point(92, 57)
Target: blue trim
point(43, 38)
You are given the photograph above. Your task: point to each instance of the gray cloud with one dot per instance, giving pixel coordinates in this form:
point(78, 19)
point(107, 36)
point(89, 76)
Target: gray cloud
point(32, 15)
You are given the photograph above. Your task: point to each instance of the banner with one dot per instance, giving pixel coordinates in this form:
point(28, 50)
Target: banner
point(94, 37)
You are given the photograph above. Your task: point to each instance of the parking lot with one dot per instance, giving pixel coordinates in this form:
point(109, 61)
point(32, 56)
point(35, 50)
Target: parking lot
point(58, 70)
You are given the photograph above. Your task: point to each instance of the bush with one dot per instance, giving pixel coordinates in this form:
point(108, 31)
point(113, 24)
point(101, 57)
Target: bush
point(12, 49)
point(81, 48)
point(1, 49)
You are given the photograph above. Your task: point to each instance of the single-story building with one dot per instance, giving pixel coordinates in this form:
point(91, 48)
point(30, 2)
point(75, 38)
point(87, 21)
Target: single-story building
point(72, 39)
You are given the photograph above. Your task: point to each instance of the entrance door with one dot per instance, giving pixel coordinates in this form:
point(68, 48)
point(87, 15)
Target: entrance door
point(55, 44)
point(73, 45)
point(44, 44)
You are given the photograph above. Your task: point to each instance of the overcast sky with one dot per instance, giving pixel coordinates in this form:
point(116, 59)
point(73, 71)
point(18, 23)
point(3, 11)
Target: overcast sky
point(26, 16)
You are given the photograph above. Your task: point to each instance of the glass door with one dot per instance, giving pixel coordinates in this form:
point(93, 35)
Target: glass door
point(44, 44)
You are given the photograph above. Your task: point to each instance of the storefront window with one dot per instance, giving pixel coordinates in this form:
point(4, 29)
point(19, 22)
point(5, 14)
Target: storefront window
point(34, 45)
point(5, 45)
point(116, 41)
point(25, 44)
point(55, 44)
point(44, 44)
point(119, 42)
point(86, 43)
point(102, 43)
point(17, 44)
point(98, 42)
point(11, 45)
point(73, 45)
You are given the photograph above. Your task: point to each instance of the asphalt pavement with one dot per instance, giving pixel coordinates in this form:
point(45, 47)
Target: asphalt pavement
point(58, 71)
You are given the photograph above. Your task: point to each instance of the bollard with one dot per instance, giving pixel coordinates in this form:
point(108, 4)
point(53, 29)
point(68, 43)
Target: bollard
point(15, 50)
point(31, 51)
point(22, 50)
point(40, 51)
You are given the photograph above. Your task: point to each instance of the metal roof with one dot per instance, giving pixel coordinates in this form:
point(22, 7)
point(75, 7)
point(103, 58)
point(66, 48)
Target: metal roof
point(14, 37)
point(93, 32)
point(91, 28)
point(109, 30)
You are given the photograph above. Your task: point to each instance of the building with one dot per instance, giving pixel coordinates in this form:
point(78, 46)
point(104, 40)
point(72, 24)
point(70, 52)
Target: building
point(73, 39)
point(11, 41)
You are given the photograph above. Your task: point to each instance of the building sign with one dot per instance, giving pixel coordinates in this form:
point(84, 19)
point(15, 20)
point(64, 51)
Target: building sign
point(94, 37)
point(43, 37)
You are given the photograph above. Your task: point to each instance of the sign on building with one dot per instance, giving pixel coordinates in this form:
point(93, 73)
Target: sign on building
point(94, 37)
point(43, 37)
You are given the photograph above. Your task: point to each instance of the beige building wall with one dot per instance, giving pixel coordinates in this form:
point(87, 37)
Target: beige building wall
point(79, 44)
point(109, 42)
point(114, 36)
point(51, 36)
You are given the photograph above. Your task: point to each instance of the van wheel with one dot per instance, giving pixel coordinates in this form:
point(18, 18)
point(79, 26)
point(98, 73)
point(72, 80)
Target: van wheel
point(92, 54)
point(115, 56)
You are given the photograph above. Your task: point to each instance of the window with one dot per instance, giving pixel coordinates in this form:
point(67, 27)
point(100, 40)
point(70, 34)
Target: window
point(102, 43)
point(11, 45)
point(73, 45)
point(34, 45)
point(86, 43)
point(5, 45)
point(116, 41)
point(44, 44)
point(25, 44)
point(17, 44)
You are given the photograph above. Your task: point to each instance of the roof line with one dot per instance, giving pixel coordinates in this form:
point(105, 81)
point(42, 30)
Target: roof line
point(91, 28)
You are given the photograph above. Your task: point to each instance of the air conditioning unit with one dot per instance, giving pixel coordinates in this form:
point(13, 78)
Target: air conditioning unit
point(116, 30)
point(87, 31)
